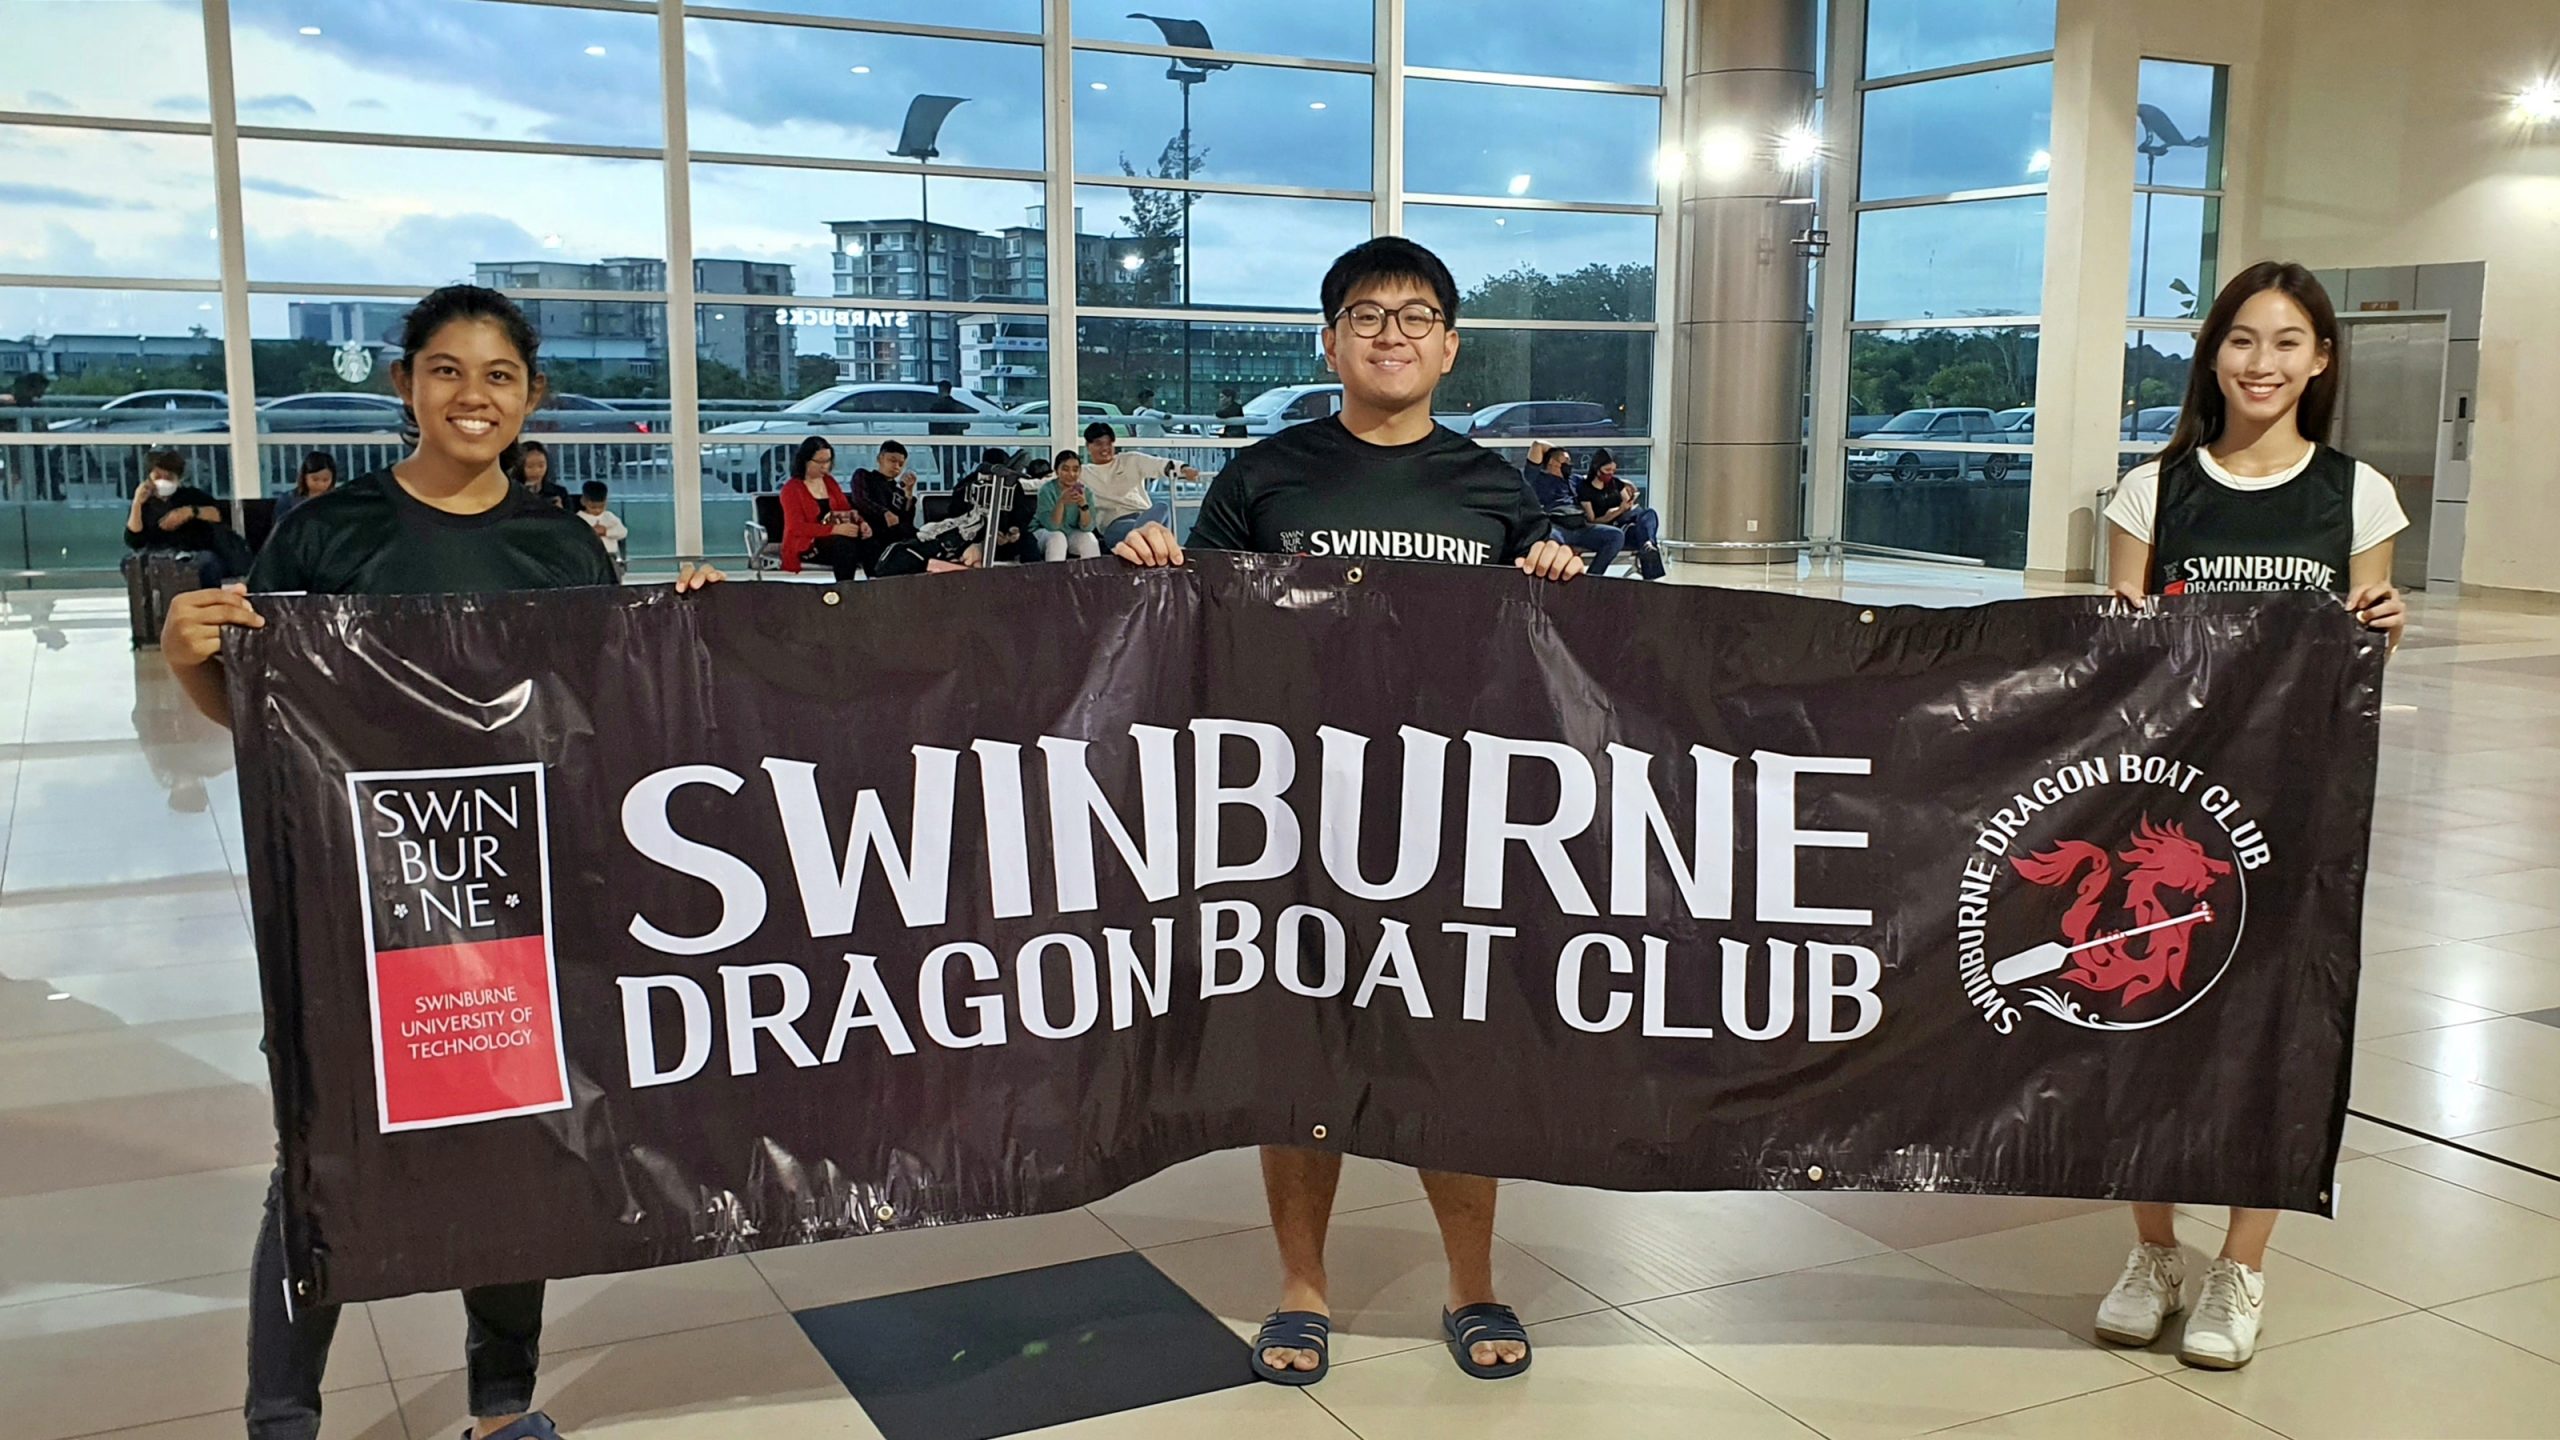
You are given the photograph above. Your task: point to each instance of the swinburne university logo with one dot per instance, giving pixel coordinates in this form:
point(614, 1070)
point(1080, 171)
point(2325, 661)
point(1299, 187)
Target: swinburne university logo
point(2069, 907)
point(455, 867)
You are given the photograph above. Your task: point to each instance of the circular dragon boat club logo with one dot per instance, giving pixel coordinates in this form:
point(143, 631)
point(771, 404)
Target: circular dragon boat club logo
point(2110, 895)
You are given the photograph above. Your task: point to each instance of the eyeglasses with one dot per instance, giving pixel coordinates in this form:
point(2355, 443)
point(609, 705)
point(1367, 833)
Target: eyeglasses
point(1370, 321)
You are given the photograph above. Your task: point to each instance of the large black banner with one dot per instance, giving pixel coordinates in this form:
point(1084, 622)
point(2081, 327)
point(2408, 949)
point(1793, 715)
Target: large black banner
point(609, 929)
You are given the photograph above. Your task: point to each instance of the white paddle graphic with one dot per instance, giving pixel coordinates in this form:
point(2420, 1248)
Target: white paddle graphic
point(2052, 955)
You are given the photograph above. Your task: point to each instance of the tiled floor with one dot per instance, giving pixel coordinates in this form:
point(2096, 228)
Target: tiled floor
point(134, 1135)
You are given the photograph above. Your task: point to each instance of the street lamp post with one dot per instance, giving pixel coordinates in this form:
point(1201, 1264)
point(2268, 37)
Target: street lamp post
point(1186, 72)
point(918, 140)
point(2160, 135)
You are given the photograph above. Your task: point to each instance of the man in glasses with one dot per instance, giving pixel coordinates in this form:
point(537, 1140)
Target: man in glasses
point(1381, 480)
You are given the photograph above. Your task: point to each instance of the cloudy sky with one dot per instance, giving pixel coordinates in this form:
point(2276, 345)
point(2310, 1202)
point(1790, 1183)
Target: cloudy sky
point(94, 203)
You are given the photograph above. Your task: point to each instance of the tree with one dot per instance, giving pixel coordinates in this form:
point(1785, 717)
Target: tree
point(812, 373)
point(1609, 368)
point(1123, 357)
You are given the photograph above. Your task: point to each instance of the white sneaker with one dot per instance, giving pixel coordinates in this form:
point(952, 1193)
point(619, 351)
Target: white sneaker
point(2223, 1333)
point(2146, 1295)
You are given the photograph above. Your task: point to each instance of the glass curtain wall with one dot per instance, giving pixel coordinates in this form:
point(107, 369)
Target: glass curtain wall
point(2177, 244)
point(1956, 117)
point(860, 218)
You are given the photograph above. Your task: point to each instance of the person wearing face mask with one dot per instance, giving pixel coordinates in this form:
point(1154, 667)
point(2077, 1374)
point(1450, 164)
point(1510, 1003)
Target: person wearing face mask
point(2247, 498)
point(170, 515)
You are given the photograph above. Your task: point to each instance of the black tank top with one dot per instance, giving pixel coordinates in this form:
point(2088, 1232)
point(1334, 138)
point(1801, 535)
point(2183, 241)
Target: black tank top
point(2207, 537)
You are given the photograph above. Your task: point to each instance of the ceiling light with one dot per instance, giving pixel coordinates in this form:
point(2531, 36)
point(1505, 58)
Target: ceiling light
point(1315, 104)
point(1519, 185)
point(2040, 163)
point(1098, 85)
point(310, 29)
point(861, 69)
point(2540, 102)
point(1799, 148)
point(1669, 165)
point(595, 50)
point(1724, 152)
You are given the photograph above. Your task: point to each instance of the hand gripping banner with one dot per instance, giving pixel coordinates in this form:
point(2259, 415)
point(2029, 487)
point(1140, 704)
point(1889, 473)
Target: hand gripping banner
point(697, 924)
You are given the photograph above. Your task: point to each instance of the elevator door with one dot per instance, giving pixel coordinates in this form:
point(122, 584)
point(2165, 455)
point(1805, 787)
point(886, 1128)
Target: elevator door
point(2390, 412)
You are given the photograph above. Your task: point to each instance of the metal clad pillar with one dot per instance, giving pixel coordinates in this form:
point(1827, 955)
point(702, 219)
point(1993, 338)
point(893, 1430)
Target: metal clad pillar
point(1748, 79)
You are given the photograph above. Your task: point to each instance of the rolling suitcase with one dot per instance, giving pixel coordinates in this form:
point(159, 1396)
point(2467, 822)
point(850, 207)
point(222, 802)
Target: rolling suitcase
point(152, 578)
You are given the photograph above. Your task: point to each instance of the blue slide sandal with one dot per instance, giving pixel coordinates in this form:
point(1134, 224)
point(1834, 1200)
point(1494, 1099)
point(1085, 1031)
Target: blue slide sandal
point(1477, 1324)
point(1294, 1330)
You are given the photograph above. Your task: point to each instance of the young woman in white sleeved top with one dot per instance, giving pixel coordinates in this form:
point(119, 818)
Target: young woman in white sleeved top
point(2248, 496)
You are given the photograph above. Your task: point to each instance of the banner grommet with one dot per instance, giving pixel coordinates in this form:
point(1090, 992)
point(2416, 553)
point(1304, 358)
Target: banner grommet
point(833, 597)
point(884, 1212)
point(1318, 1132)
point(1353, 575)
point(1813, 1173)
point(1866, 617)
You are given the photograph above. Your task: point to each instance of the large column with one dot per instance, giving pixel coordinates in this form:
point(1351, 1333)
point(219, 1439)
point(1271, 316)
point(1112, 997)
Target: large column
point(1747, 79)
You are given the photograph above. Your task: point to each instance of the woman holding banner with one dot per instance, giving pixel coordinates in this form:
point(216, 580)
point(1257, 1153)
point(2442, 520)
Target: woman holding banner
point(2247, 496)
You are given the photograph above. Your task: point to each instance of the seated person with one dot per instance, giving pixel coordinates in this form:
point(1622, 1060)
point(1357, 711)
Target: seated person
point(607, 525)
point(533, 472)
point(1550, 476)
point(1607, 500)
point(319, 476)
point(818, 522)
point(170, 515)
point(1062, 518)
point(1118, 479)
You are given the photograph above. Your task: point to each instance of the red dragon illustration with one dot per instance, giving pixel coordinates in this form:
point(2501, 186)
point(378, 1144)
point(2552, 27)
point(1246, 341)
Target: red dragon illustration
point(2164, 859)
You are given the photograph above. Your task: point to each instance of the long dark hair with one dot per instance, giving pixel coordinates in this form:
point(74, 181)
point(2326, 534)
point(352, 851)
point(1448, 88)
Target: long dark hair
point(800, 456)
point(513, 461)
point(313, 464)
point(2200, 419)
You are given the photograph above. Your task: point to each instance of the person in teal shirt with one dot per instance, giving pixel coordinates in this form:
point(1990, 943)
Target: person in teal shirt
point(1063, 516)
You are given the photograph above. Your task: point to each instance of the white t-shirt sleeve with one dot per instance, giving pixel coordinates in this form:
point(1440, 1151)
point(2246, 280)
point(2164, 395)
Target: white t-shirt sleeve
point(2137, 501)
point(2377, 506)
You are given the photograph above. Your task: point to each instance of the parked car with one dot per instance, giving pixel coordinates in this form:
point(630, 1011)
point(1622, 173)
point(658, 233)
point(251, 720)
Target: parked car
point(1282, 406)
point(2152, 425)
point(1867, 424)
point(1538, 419)
point(579, 415)
point(157, 412)
point(1890, 451)
point(1036, 418)
point(331, 412)
point(874, 409)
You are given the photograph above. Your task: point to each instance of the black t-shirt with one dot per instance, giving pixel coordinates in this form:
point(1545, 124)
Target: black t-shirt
point(1317, 489)
point(197, 534)
point(371, 537)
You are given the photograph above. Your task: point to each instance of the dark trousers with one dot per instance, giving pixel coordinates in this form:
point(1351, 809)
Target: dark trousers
point(840, 553)
point(289, 1345)
point(1642, 526)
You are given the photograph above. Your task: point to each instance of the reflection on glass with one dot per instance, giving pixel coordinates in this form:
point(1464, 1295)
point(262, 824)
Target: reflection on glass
point(1249, 124)
point(2178, 125)
point(93, 202)
point(68, 352)
point(1527, 384)
point(70, 501)
point(844, 95)
point(1541, 264)
point(2176, 240)
point(1905, 36)
point(1969, 132)
point(1912, 391)
point(812, 358)
point(1151, 248)
point(1314, 29)
point(1022, 15)
point(1249, 380)
point(472, 69)
point(1497, 140)
point(360, 214)
point(53, 65)
point(765, 230)
point(2156, 366)
point(1944, 262)
point(1603, 39)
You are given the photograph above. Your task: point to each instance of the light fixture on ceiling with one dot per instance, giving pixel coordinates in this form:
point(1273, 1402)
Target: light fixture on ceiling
point(310, 29)
point(1098, 85)
point(1519, 185)
point(2539, 103)
point(596, 50)
point(1799, 148)
point(1315, 104)
point(2040, 163)
point(861, 69)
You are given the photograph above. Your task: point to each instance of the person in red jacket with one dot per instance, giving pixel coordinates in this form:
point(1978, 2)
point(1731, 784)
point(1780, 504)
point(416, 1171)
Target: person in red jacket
point(818, 522)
